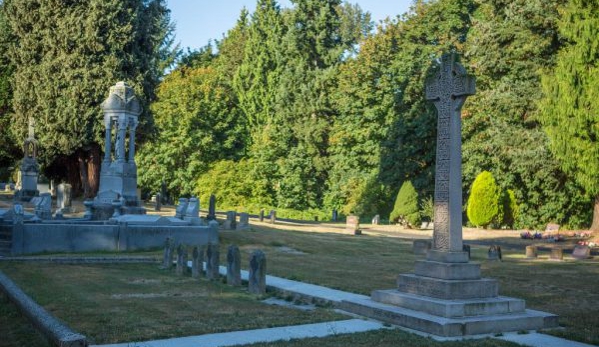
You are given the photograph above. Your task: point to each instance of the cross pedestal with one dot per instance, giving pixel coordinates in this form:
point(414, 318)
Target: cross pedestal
point(446, 294)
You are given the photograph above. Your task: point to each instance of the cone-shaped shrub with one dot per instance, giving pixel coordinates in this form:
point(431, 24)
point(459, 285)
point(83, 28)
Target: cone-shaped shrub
point(483, 203)
point(406, 206)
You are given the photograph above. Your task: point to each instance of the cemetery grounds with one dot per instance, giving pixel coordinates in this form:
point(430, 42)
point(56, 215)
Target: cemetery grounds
point(134, 302)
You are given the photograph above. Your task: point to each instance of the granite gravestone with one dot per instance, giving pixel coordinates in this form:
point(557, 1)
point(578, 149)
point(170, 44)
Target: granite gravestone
point(233, 266)
point(181, 260)
point(167, 260)
point(257, 275)
point(197, 261)
point(353, 225)
point(231, 221)
point(212, 208)
point(273, 216)
point(181, 208)
point(63, 197)
point(531, 252)
point(212, 261)
point(581, 252)
point(244, 221)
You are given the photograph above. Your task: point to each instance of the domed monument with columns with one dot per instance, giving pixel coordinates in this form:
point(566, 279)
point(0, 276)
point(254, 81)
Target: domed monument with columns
point(118, 174)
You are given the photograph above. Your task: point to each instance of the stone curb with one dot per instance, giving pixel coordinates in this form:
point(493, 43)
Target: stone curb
point(83, 260)
point(56, 331)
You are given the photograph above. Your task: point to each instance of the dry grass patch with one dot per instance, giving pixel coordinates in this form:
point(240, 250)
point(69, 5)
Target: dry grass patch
point(137, 302)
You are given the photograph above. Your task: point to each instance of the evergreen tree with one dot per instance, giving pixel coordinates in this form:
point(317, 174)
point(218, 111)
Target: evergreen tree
point(66, 55)
point(570, 107)
point(509, 43)
point(8, 144)
point(406, 208)
point(483, 203)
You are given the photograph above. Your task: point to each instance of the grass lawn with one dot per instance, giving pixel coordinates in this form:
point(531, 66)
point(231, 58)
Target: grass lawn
point(139, 302)
point(136, 302)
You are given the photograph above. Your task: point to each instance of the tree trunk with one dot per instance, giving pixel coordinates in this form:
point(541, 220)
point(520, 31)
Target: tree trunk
point(89, 170)
point(595, 224)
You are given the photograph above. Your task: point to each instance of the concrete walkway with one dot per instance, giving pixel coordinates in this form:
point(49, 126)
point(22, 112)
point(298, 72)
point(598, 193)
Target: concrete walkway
point(540, 340)
point(261, 335)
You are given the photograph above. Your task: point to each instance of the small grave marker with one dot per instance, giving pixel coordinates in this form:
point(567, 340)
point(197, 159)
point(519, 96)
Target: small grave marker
point(353, 225)
point(581, 252)
point(494, 253)
point(197, 261)
point(257, 276)
point(212, 261)
point(531, 252)
point(233, 266)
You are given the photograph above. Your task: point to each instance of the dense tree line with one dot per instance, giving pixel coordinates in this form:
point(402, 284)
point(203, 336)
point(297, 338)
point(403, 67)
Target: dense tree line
point(315, 108)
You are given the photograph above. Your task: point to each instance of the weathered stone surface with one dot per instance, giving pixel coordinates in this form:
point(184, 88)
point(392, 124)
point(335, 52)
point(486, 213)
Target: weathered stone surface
point(167, 259)
point(197, 261)
point(531, 251)
point(448, 271)
point(158, 202)
point(43, 207)
point(182, 260)
point(447, 257)
point(212, 208)
point(581, 252)
point(262, 215)
point(231, 221)
point(118, 172)
point(212, 261)
point(273, 216)
point(233, 266)
point(63, 197)
point(447, 289)
point(193, 208)
point(421, 247)
point(181, 208)
point(450, 308)
point(448, 89)
point(257, 275)
point(244, 221)
point(376, 220)
point(451, 327)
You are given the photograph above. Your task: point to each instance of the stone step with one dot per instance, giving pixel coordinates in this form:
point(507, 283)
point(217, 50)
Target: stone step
point(450, 308)
point(448, 271)
point(5, 248)
point(451, 327)
point(447, 289)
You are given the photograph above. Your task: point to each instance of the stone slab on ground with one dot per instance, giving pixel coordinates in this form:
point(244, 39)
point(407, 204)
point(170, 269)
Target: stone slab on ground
point(262, 335)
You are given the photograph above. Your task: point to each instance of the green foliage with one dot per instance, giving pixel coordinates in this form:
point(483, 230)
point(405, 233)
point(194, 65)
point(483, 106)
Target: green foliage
point(506, 49)
point(483, 203)
point(570, 107)
point(197, 127)
point(406, 206)
point(427, 209)
point(66, 55)
point(509, 209)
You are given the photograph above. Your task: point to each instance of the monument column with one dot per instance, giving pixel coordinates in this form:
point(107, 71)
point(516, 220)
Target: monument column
point(448, 88)
point(108, 139)
point(120, 138)
point(132, 127)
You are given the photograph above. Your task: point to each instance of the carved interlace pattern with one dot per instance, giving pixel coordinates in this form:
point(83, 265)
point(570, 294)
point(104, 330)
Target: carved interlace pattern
point(448, 89)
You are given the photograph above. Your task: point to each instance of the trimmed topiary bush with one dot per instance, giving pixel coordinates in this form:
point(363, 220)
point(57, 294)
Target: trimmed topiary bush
point(484, 199)
point(406, 209)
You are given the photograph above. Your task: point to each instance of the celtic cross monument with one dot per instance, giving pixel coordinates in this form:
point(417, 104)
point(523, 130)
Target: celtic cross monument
point(448, 89)
point(446, 295)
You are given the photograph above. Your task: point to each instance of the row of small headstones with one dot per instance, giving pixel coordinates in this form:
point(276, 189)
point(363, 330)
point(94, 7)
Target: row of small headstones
point(211, 254)
point(420, 247)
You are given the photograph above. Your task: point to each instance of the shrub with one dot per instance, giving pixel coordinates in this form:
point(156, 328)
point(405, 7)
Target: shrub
point(406, 206)
point(510, 208)
point(483, 203)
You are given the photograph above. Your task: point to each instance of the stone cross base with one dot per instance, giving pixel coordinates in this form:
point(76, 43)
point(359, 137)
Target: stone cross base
point(446, 296)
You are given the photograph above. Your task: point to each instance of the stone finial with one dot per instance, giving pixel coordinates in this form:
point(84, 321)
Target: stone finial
point(122, 99)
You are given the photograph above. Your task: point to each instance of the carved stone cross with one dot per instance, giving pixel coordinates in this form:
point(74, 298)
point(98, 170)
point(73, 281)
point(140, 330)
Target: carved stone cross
point(448, 89)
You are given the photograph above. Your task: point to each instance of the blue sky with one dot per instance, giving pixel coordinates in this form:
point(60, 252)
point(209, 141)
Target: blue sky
point(198, 21)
